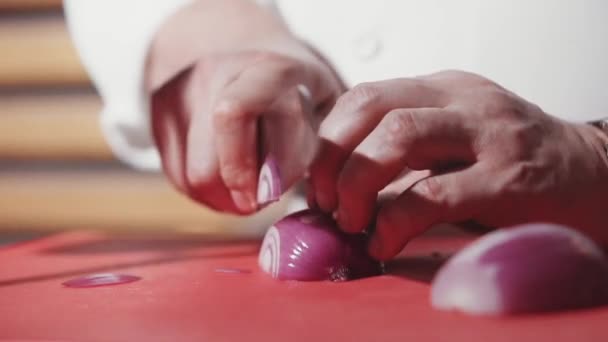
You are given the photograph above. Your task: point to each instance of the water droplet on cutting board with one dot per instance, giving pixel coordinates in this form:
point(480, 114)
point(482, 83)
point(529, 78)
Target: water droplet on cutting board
point(100, 279)
point(232, 270)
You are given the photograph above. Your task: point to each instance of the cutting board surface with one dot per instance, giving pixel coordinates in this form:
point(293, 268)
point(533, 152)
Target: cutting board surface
point(185, 294)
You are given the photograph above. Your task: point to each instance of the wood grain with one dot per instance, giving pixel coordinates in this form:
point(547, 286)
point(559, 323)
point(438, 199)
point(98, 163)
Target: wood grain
point(51, 127)
point(38, 52)
point(114, 201)
point(29, 5)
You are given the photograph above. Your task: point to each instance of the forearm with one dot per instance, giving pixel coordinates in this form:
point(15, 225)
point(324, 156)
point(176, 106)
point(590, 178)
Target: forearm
point(213, 26)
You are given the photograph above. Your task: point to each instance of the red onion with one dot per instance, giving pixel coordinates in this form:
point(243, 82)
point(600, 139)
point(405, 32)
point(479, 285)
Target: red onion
point(307, 245)
point(530, 268)
point(270, 188)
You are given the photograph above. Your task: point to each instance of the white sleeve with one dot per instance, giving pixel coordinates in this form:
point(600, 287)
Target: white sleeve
point(112, 38)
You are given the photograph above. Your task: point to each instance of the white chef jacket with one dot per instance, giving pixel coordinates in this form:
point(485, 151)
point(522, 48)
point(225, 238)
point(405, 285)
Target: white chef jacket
point(551, 52)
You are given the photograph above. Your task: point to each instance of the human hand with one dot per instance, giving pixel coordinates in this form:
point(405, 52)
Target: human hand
point(491, 157)
point(213, 122)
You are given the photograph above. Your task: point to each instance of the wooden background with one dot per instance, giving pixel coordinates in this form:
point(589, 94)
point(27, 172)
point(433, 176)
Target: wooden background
point(56, 171)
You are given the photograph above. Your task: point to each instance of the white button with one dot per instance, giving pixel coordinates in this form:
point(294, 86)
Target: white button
point(367, 46)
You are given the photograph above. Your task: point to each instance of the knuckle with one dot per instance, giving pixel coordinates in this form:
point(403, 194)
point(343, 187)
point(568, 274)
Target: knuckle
point(286, 70)
point(501, 104)
point(462, 83)
point(264, 56)
point(282, 67)
point(506, 104)
point(270, 56)
point(238, 176)
point(363, 97)
point(519, 139)
point(400, 127)
point(229, 113)
point(460, 76)
point(451, 73)
point(432, 189)
point(470, 77)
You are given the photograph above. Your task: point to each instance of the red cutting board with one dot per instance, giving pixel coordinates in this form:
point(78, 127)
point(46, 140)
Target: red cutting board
point(182, 297)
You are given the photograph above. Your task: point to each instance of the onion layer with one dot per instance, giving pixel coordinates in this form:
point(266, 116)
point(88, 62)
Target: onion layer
point(270, 186)
point(529, 268)
point(307, 245)
point(101, 279)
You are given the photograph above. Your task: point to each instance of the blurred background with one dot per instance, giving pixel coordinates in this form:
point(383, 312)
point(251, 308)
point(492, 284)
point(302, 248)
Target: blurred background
point(56, 171)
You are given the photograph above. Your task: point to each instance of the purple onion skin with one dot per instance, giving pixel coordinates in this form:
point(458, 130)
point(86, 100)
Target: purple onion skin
point(270, 186)
point(312, 248)
point(524, 269)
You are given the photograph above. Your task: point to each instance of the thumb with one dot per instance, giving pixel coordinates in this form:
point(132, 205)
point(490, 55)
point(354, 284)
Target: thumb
point(444, 198)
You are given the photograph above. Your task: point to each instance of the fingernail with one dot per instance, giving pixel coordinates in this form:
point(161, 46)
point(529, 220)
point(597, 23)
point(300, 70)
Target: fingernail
point(244, 201)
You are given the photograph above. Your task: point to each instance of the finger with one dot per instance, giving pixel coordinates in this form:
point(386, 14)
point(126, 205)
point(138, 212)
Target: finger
point(235, 120)
point(323, 174)
point(358, 111)
point(443, 198)
point(204, 182)
point(169, 127)
point(424, 138)
point(354, 116)
point(403, 182)
point(289, 136)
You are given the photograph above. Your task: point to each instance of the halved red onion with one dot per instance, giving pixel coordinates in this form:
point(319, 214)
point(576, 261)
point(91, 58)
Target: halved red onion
point(307, 245)
point(270, 186)
point(529, 268)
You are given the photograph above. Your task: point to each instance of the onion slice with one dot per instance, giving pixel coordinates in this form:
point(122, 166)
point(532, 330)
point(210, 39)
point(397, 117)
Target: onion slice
point(270, 186)
point(529, 268)
point(100, 279)
point(308, 246)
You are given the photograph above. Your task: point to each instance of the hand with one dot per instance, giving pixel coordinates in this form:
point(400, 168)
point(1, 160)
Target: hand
point(213, 122)
point(490, 156)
